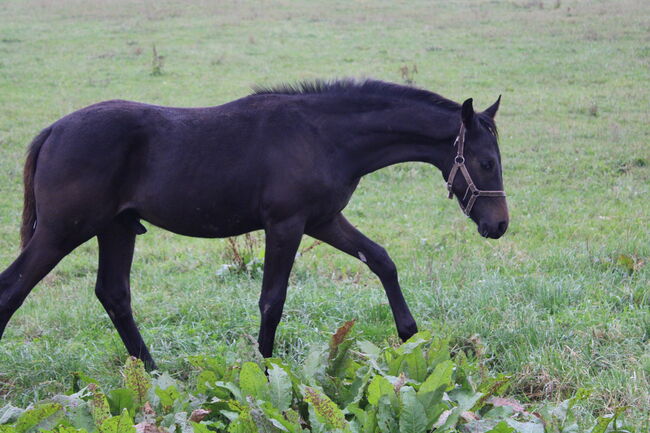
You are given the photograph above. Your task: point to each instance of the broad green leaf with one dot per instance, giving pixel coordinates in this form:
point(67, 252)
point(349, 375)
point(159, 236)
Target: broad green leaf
point(252, 381)
point(295, 381)
point(38, 417)
point(263, 423)
point(338, 364)
point(241, 420)
point(162, 381)
point(355, 391)
point(379, 386)
point(315, 363)
point(78, 378)
point(137, 379)
point(215, 364)
point(603, 422)
point(502, 427)
point(356, 412)
point(438, 352)
point(199, 428)
point(182, 422)
point(167, 397)
point(441, 375)
point(433, 404)
point(412, 418)
point(499, 412)
point(205, 380)
point(451, 421)
point(369, 349)
point(387, 416)
point(529, 427)
point(231, 388)
point(280, 388)
point(416, 365)
point(416, 341)
point(80, 416)
point(325, 409)
point(394, 361)
point(122, 398)
point(118, 424)
point(289, 421)
point(465, 399)
point(370, 423)
point(64, 429)
point(9, 414)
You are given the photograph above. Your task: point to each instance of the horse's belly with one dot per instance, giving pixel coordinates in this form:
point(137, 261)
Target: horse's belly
point(218, 227)
point(201, 218)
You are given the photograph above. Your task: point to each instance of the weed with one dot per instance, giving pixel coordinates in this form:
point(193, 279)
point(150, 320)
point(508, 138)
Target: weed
point(352, 386)
point(408, 74)
point(157, 62)
point(244, 254)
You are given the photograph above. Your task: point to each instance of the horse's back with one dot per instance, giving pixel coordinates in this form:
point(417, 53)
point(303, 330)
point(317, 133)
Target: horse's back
point(209, 172)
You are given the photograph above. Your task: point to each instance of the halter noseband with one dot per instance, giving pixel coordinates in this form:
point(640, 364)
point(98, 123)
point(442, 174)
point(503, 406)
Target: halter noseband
point(459, 164)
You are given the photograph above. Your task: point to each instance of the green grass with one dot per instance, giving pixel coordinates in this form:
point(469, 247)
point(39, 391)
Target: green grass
point(561, 302)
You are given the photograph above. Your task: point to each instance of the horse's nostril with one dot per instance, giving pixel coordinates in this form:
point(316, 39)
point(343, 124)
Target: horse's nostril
point(503, 225)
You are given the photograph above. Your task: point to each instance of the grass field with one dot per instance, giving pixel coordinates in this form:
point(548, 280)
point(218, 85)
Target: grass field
point(561, 302)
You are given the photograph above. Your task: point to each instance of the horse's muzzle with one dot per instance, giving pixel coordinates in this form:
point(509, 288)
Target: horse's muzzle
point(493, 230)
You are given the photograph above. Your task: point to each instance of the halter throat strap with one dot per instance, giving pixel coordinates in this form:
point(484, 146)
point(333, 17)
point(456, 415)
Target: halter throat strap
point(459, 166)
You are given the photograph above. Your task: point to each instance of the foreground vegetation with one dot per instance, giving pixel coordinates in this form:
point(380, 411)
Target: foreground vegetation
point(560, 303)
point(342, 387)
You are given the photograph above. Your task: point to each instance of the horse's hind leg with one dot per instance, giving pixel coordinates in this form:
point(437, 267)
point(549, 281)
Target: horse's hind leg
point(116, 245)
point(37, 259)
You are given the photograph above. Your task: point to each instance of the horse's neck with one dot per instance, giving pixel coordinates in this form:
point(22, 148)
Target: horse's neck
point(401, 136)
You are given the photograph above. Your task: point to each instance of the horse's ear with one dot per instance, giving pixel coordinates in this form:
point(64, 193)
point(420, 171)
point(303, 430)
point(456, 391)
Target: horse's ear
point(467, 112)
point(492, 109)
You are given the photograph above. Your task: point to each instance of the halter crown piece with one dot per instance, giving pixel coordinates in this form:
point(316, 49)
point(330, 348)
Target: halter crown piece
point(459, 165)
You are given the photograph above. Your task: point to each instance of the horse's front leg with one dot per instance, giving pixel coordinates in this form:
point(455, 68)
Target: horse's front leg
point(282, 241)
point(342, 235)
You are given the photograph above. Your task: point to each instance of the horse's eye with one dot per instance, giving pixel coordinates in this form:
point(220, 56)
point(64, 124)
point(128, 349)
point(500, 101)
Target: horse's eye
point(487, 165)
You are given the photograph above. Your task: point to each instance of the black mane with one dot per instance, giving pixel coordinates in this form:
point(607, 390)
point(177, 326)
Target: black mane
point(352, 86)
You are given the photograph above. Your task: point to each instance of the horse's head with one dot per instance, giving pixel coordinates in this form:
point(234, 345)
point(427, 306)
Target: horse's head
point(474, 171)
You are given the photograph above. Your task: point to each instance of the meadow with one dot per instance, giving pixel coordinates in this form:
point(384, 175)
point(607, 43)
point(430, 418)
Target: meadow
point(561, 302)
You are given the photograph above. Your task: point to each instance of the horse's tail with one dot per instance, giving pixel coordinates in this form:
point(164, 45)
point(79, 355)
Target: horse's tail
point(29, 205)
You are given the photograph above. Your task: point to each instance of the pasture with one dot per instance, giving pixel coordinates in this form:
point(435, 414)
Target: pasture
point(561, 302)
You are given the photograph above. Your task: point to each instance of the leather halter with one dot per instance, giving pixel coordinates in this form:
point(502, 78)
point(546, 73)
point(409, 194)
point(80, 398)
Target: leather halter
point(459, 165)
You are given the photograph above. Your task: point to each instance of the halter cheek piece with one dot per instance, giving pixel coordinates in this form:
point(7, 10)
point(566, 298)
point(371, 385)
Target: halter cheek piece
point(459, 164)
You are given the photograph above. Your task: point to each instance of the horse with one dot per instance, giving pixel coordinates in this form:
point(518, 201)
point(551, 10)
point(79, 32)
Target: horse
point(283, 159)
